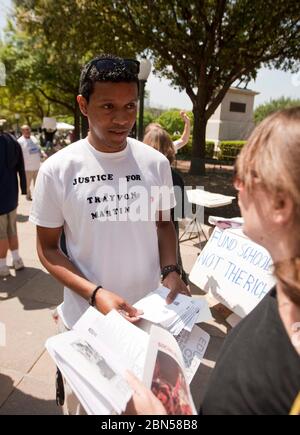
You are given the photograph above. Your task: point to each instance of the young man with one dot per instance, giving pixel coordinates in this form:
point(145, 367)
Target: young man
point(104, 191)
point(32, 157)
point(11, 165)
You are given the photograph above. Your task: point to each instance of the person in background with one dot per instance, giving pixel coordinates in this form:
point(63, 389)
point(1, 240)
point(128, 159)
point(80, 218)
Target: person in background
point(49, 135)
point(11, 164)
point(32, 153)
point(159, 139)
point(184, 138)
point(258, 370)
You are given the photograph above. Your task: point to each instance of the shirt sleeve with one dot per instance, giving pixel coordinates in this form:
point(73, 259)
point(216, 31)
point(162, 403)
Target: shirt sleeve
point(177, 144)
point(166, 195)
point(47, 202)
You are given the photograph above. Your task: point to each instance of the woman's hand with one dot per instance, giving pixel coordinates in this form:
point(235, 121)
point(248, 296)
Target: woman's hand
point(143, 401)
point(184, 116)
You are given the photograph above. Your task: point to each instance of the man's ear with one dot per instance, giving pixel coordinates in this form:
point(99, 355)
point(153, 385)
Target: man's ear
point(82, 104)
point(283, 209)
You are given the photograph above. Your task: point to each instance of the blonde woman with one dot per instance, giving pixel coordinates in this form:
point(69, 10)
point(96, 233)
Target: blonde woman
point(258, 371)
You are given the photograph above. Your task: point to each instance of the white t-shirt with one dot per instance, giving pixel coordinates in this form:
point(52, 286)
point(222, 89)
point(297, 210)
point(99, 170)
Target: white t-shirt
point(79, 188)
point(31, 152)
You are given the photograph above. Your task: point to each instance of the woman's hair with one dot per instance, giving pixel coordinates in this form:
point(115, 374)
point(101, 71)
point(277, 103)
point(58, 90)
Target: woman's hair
point(152, 125)
point(159, 139)
point(272, 157)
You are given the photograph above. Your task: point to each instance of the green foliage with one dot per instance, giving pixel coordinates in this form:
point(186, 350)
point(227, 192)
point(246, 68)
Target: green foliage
point(262, 111)
point(185, 153)
point(45, 51)
point(229, 150)
point(151, 115)
point(172, 122)
point(209, 149)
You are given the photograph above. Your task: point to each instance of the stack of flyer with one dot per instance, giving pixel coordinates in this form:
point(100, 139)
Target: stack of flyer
point(208, 199)
point(181, 314)
point(95, 356)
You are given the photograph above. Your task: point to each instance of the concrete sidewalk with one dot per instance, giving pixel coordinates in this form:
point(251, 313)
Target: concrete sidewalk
point(27, 373)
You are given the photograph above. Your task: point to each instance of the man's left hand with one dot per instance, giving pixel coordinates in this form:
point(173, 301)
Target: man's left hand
point(173, 282)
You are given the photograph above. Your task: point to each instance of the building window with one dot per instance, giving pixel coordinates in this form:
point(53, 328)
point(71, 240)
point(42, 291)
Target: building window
point(237, 107)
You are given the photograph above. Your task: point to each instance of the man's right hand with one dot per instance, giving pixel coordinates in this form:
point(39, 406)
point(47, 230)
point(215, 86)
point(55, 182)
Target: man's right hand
point(106, 301)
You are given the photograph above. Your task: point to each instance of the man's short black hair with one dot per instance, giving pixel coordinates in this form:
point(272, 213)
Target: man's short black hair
point(90, 75)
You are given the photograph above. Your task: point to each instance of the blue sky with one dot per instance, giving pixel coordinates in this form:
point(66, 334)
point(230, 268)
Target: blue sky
point(269, 83)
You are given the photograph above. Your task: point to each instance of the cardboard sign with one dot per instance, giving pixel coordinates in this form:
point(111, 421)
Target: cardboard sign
point(49, 123)
point(234, 270)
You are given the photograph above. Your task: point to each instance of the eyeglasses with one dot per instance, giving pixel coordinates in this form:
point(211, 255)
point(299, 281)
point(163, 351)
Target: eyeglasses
point(105, 65)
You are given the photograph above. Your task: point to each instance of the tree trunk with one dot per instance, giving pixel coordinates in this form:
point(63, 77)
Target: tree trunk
point(198, 147)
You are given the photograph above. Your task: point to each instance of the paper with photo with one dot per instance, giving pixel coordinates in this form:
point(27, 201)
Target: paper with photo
point(165, 374)
point(96, 354)
point(126, 339)
point(91, 400)
point(96, 364)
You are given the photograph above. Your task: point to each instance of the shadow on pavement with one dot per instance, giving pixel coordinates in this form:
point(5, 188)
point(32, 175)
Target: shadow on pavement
point(19, 403)
point(32, 285)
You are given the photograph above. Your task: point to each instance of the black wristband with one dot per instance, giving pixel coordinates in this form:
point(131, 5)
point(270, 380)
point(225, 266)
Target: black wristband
point(93, 297)
point(168, 269)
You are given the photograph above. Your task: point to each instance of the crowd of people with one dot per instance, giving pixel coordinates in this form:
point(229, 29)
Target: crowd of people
point(112, 259)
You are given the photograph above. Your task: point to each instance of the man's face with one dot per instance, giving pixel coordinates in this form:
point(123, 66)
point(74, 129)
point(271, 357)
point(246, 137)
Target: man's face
point(26, 132)
point(111, 112)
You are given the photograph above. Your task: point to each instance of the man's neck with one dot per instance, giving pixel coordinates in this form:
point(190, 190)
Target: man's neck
point(99, 146)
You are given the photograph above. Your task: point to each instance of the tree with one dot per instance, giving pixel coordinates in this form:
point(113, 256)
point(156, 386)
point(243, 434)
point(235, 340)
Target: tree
point(31, 107)
point(46, 49)
point(30, 76)
point(262, 111)
point(205, 46)
point(202, 46)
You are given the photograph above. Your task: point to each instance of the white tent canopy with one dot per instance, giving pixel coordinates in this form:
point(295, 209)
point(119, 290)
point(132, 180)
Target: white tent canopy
point(64, 126)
